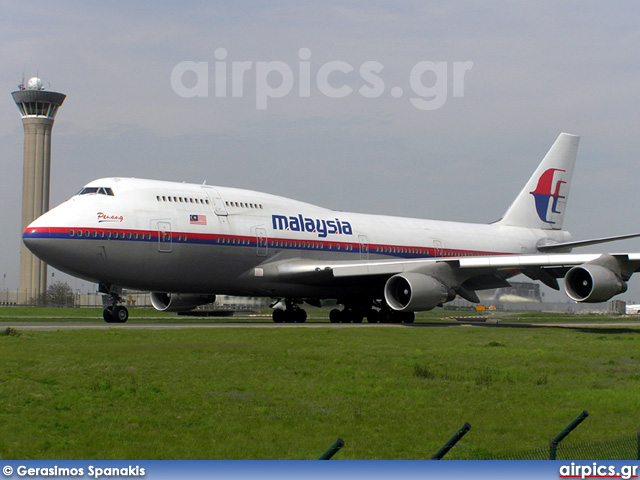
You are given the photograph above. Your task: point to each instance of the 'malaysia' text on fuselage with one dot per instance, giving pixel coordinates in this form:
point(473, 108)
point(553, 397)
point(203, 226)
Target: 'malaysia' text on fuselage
point(311, 225)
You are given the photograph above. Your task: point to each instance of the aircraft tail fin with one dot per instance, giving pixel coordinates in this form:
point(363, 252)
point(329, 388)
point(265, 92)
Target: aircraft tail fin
point(543, 200)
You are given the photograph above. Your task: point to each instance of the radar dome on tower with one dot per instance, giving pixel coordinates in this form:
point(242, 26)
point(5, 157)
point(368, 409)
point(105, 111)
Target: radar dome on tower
point(34, 83)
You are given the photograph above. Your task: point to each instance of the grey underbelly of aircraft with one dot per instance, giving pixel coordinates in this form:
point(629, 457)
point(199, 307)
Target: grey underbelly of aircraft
point(187, 268)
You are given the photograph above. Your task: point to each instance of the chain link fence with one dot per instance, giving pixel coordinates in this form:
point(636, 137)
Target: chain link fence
point(621, 449)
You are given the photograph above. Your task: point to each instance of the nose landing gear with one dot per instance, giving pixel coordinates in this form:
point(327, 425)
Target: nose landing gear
point(113, 313)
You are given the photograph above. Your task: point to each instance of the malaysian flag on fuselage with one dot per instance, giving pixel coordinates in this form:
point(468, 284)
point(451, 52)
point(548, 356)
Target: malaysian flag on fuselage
point(198, 219)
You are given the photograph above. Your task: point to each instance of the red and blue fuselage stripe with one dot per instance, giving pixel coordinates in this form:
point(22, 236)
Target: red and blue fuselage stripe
point(178, 238)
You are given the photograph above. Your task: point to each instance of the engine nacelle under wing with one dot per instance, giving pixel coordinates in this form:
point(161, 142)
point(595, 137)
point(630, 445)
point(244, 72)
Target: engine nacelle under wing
point(414, 292)
point(179, 302)
point(591, 283)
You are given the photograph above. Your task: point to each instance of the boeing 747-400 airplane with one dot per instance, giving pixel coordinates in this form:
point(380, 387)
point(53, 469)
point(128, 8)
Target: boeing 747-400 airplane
point(186, 243)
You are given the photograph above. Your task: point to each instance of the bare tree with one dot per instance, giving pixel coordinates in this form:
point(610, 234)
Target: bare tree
point(60, 294)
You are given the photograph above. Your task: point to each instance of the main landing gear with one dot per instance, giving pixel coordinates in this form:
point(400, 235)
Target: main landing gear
point(113, 313)
point(352, 314)
point(291, 314)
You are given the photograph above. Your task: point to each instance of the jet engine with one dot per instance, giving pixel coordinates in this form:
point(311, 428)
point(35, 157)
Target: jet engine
point(179, 302)
point(414, 292)
point(592, 283)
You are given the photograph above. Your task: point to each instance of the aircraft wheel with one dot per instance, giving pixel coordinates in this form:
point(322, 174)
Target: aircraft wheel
point(408, 317)
point(278, 315)
point(388, 316)
point(289, 315)
point(107, 315)
point(120, 314)
point(299, 315)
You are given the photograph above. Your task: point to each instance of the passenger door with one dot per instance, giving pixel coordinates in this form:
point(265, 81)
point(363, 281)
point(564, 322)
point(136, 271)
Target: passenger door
point(261, 241)
point(364, 247)
point(164, 237)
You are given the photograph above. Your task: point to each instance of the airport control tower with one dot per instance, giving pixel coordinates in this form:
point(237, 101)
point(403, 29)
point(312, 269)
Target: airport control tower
point(38, 109)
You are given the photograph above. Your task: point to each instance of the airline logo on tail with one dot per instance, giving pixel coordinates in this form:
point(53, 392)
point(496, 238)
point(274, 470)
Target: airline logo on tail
point(547, 193)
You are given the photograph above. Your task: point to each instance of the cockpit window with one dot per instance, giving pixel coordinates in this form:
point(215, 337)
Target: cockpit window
point(96, 191)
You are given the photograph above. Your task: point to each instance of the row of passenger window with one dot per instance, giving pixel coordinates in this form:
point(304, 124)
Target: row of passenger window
point(425, 251)
point(309, 245)
point(110, 234)
point(166, 237)
point(286, 244)
point(166, 198)
point(205, 201)
point(414, 251)
point(257, 206)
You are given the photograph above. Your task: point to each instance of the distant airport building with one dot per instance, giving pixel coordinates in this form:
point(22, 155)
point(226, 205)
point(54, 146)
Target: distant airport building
point(38, 109)
point(518, 292)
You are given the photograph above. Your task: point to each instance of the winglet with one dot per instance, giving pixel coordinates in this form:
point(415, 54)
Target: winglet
point(543, 200)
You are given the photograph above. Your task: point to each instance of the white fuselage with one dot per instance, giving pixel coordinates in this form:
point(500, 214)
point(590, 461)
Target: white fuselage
point(186, 238)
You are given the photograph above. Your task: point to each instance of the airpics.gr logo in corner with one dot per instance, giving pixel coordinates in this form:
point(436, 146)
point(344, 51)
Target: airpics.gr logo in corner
point(547, 190)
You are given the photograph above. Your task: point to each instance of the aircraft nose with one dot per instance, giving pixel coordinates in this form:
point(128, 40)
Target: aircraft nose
point(36, 238)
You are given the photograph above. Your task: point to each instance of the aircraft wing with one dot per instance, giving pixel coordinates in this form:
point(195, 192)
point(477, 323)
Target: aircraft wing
point(464, 264)
point(363, 268)
point(566, 246)
point(592, 276)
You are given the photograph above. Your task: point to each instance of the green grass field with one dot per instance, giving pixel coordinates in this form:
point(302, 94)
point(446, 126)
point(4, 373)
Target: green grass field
point(288, 393)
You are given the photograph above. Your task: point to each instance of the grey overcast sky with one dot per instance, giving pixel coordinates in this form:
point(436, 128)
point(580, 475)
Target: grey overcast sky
point(538, 68)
